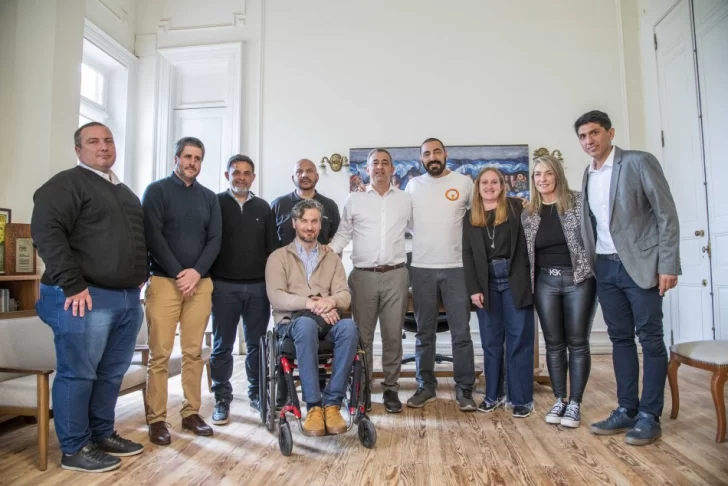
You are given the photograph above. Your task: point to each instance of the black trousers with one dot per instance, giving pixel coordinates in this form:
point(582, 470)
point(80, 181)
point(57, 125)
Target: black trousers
point(566, 311)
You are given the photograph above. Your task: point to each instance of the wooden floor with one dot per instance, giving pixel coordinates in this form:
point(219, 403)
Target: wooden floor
point(435, 445)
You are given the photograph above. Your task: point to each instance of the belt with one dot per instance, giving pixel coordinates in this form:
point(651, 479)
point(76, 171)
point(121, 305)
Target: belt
point(609, 256)
point(382, 268)
point(556, 271)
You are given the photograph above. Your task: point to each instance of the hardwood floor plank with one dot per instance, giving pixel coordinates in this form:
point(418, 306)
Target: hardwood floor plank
point(434, 445)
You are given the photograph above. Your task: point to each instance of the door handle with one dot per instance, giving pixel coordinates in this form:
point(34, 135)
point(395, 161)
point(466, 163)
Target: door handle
point(706, 249)
point(700, 233)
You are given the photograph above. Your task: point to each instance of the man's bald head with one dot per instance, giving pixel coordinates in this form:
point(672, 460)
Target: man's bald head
point(305, 176)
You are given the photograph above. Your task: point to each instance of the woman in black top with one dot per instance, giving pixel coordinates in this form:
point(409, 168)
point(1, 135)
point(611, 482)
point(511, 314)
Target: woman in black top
point(564, 285)
point(497, 279)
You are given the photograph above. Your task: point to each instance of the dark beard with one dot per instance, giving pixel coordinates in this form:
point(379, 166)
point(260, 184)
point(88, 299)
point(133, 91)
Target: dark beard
point(435, 169)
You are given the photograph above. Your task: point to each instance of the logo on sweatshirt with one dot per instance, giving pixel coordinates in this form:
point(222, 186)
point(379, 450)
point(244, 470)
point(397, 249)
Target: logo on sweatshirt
point(452, 194)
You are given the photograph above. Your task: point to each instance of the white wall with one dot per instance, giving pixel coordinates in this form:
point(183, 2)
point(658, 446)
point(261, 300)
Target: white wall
point(40, 93)
point(117, 18)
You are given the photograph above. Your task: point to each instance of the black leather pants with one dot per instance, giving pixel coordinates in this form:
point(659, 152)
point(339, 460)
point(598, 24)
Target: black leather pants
point(566, 312)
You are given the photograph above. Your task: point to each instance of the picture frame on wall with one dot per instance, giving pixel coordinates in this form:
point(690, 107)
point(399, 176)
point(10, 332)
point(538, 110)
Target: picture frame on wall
point(469, 160)
point(5, 219)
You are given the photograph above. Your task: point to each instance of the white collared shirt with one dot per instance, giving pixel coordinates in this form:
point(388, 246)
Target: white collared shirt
point(111, 177)
point(241, 204)
point(598, 188)
point(377, 225)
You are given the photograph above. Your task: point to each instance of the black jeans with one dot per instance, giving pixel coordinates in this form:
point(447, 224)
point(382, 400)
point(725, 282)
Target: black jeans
point(628, 310)
point(566, 311)
point(230, 301)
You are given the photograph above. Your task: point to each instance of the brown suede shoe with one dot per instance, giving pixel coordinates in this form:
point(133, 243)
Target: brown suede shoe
point(335, 423)
point(158, 433)
point(196, 425)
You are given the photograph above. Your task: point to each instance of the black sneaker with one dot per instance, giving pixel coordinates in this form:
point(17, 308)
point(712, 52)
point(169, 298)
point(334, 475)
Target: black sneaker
point(90, 459)
point(645, 431)
point(572, 415)
point(464, 397)
point(521, 411)
point(255, 404)
point(392, 404)
point(221, 414)
point(119, 446)
point(556, 412)
point(487, 407)
point(421, 397)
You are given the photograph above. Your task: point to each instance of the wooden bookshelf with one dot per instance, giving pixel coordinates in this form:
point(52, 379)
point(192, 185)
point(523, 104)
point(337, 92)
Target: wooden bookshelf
point(25, 289)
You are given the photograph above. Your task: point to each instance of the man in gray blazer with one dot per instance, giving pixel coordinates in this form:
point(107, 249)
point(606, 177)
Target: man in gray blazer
point(631, 233)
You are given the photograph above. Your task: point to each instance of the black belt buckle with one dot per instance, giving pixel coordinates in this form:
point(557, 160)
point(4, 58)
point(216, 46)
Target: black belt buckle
point(609, 256)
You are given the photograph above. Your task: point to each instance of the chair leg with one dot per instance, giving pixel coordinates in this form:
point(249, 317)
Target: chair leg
point(716, 387)
point(43, 420)
point(672, 379)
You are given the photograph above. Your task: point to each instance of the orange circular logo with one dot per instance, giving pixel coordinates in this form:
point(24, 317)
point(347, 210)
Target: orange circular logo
point(452, 194)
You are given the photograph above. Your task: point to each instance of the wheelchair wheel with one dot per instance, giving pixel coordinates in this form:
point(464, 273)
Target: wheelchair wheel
point(367, 433)
point(285, 440)
point(263, 378)
point(272, 380)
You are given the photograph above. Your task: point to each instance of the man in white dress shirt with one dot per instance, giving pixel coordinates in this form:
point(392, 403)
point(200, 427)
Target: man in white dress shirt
point(376, 221)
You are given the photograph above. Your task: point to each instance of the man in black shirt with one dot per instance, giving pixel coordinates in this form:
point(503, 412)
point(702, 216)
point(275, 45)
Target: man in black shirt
point(183, 230)
point(248, 237)
point(305, 178)
point(89, 230)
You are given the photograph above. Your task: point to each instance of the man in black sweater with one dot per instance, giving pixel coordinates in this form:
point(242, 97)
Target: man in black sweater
point(89, 230)
point(183, 230)
point(305, 177)
point(248, 237)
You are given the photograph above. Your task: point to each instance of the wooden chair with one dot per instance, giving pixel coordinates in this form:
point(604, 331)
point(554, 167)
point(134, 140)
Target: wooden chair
point(27, 369)
point(706, 355)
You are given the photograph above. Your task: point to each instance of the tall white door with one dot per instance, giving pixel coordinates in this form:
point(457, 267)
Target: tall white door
point(209, 125)
point(711, 32)
point(689, 307)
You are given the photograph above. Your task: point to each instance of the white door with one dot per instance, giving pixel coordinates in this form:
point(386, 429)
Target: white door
point(689, 309)
point(711, 32)
point(209, 125)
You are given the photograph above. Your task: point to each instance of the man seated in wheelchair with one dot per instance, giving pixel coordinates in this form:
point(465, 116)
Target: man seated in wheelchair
point(307, 289)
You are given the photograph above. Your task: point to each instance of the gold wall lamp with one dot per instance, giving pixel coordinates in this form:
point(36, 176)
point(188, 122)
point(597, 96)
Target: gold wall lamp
point(540, 152)
point(336, 162)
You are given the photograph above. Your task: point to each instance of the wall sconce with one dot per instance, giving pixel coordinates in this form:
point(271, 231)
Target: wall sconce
point(336, 162)
point(540, 152)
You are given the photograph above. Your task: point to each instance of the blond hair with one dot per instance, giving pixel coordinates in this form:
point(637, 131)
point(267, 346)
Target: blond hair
point(478, 217)
point(564, 200)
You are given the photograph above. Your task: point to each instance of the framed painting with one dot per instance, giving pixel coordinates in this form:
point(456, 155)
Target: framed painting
point(4, 220)
point(469, 160)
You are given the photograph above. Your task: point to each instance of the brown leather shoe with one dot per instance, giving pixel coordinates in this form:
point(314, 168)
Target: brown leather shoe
point(196, 425)
point(158, 433)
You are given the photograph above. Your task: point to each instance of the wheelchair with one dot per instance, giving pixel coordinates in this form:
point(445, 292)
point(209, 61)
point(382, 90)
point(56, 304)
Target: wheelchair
point(277, 360)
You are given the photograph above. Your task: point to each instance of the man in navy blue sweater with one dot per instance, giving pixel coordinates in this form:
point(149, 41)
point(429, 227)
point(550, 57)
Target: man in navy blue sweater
point(248, 237)
point(183, 232)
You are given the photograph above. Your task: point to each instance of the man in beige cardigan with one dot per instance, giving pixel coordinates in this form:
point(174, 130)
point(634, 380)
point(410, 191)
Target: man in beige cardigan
point(307, 289)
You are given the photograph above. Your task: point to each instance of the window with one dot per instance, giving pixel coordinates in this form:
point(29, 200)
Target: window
point(105, 80)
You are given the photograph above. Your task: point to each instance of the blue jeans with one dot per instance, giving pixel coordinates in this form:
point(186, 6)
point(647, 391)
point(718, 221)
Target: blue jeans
point(93, 353)
point(630, 309)
point(505, 323)
point(344, 335)
point(231, 300)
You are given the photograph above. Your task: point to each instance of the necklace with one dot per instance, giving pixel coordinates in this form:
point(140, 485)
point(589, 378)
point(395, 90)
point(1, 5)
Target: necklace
point(491, 237)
